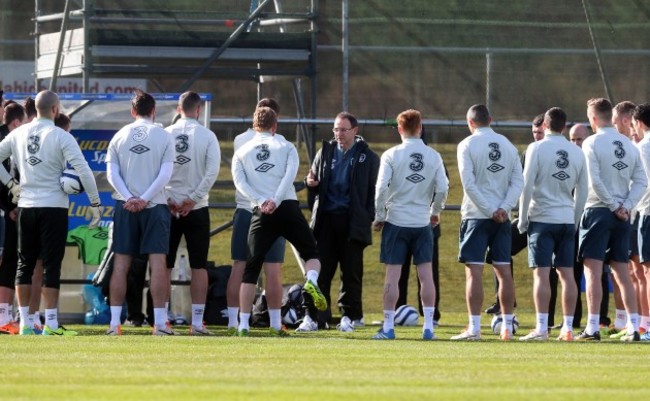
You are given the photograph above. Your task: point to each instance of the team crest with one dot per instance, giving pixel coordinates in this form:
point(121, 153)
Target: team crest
point(362, 158)
point(139, 134)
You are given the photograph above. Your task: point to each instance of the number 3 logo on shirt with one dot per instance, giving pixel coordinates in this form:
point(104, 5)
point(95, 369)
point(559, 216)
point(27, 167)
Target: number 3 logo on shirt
point(264, 152)
point(34, 144)
point(417, 164)
point(563, 161)
point(619, 152)
point(495, 154)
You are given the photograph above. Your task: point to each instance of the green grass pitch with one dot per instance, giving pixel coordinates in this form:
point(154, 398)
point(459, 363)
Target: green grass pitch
point(327, 365)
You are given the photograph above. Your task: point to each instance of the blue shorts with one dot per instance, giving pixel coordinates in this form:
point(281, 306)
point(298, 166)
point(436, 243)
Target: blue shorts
point(397, 242)
point(603, 236)
point(145, 232)
point(239, 240)
point(635, 238)
point(550, 244)
point(643, 239)
point(477, 235)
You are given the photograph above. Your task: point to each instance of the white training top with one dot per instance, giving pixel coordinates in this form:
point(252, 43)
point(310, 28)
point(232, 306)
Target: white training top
point(139, 150)
point(264, 168)
point(616, 175)
point(40, 151)
point(409, 175)
point(643, 206)
point(242, 201)
point(490, 170)
point(554, 168)
point(198, 158)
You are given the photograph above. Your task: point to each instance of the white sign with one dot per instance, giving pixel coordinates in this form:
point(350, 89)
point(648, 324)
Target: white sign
point(17, 77)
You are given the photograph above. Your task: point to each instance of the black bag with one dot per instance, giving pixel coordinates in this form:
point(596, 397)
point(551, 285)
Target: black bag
point(216, 305)
point(291, 311)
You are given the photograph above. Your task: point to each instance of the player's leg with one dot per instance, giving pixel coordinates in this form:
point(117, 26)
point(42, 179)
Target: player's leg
point(238, 252)
point(197, 235)
point(473, 240)
point(54, 229)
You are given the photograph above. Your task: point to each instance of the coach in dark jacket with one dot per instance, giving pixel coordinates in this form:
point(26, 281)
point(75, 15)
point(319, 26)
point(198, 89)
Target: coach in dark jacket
point(342, 180)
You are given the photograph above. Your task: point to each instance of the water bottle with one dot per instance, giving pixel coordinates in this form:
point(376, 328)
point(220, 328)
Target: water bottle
point(180, 294)
point(182, 268)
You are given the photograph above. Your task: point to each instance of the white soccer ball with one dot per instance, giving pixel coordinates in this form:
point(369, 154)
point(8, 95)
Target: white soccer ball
point(70, 182)
point(497, 320)
point(406, 315)
point(290, 317)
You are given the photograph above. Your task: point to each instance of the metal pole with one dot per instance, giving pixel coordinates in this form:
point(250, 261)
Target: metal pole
point(59, 53)
point(488, 82)
point(37, 13)
point(86, 31)
point(594, 42)
point(240, 29)
point(346, 56)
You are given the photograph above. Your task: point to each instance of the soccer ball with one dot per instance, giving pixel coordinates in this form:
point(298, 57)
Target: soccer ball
point(70, 182)
point(290, 317)
point(497, 320)
point(406, 315)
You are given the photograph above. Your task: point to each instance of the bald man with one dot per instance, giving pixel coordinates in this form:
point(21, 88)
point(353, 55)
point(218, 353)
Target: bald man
point(41, 151)
point(578, 134)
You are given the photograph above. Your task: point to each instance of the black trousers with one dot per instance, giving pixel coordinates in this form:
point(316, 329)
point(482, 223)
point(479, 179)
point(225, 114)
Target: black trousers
point(335, 249)
point(42, 233)
point(9, 254)
point(286, 221)
point(404, 278)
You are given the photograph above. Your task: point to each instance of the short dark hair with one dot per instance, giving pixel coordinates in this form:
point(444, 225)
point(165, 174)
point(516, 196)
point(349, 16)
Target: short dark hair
point(264, 119)
point(62, 120)
point(30, 106)
point(189, 101)
point(601, 107)
point(13, 111)
point(625, 108)
point(642, 113)
point(270, 103)
point(143, 103)
point(344, 115)
point(479, 114)
point(538, 120)
point(555, 119)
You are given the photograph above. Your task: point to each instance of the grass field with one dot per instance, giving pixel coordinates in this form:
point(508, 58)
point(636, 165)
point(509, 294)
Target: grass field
point(317, 366)
point(327, 365)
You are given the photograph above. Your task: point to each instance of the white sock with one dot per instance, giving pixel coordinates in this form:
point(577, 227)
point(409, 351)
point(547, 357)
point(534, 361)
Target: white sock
point(232, 316)
point(632, 323)
point(37, 317)
point(243, 321)
point(51, 319)
point(32, 319)
point(568, 323)
point(644, 322)
point(275, 319)
point(389, 320)
point(116, 316)
point(593, 323)
point(428, 317)
point(4, 314)
point(621, 318)
point(312, 275)
point(474, 324)
point(542, 323)
point(507, 323)
point(24, 316)
point(197, 315)
point(160, 317)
